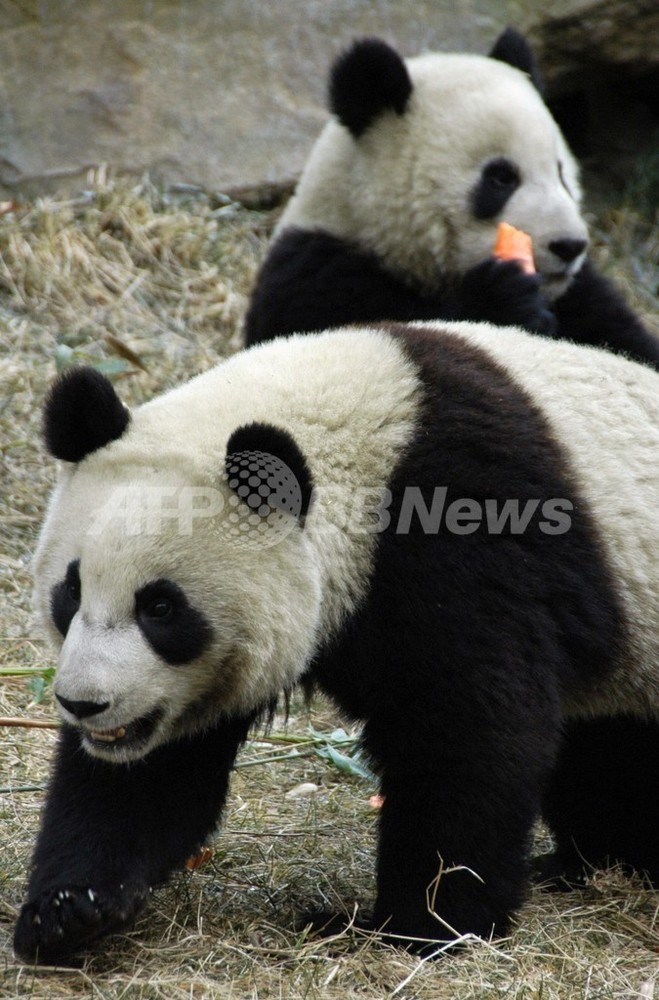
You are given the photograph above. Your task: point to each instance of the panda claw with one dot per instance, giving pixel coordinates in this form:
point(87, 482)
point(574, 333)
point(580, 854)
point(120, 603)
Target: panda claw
point(60, 923)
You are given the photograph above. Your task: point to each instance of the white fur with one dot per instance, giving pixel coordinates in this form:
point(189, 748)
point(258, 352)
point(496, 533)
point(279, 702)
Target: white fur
point(604, 410)
point(402, 189)
point(350, 400)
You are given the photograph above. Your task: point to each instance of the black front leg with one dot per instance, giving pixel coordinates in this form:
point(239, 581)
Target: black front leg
point(452, 859)
point(500, 292)
point(462, 788)
point(592, 311)
point(111, 831)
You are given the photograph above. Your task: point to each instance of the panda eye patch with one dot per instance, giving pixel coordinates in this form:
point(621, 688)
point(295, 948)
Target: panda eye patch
point(72, 584)
point(499, 179)
point(502, 173)
point(65, 598)
point(174, 629)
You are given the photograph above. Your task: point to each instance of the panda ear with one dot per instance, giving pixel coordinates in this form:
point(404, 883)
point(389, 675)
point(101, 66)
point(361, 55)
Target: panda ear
point(271, 455)
point(369, 78)
point(511, 47)
point(82, 413)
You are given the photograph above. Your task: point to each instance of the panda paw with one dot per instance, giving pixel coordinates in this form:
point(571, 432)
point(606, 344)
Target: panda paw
point(60, 922)
point(499, 292)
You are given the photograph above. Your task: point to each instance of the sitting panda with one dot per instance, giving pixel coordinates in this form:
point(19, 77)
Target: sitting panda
point(396, 213)
point(450, 529)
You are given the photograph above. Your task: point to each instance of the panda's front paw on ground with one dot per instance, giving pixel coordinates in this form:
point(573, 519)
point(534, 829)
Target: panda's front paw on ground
point(498, 291)
point(60, 922)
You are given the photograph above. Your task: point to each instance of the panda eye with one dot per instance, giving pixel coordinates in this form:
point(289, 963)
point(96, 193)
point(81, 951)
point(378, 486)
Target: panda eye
point(65, 598)
point(176, 631)
point(502, 173)
point(156, 602)
point(499, 179)
point(160, 608)
point(73, 588)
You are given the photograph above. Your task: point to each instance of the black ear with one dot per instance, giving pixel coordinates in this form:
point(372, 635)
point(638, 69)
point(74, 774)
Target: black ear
point(511, 47)
point(365, 81)
point(82, 413)
point(265, 466)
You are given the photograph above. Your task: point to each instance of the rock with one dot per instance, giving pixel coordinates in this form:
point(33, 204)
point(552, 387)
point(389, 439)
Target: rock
point(306, 790)
point(221, 94)
point(600, 61)
point(230, 94)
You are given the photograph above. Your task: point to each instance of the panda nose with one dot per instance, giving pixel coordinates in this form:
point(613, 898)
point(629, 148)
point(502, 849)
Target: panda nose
point(82, 709)
point(568, 250)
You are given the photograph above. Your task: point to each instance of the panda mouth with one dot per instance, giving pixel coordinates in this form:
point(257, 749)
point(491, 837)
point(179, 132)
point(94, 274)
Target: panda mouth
point(132, 735)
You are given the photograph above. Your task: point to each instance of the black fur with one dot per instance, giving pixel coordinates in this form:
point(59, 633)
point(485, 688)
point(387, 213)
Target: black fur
point(498, 182)
point(176, 630)
point(466, 746)
point(498, 291)
point(312, 281)
point(601, 802)
point(117, 830)
point(593, 312)
point(82, 413)
point(365, 81)
point(278, 443)
point(511, 47)
point(65, 598)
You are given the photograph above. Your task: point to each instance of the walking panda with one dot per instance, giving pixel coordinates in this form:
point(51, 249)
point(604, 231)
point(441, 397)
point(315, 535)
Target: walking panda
point(396, 213)
point(210, 550)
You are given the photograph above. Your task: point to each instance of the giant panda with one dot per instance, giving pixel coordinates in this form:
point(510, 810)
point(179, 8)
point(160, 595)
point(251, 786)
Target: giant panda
point(450, 529)
point(395, 215)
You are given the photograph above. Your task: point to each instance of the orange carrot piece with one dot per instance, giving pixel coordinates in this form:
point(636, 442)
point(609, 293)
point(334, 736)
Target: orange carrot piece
point(202, 857)
point(514, 244)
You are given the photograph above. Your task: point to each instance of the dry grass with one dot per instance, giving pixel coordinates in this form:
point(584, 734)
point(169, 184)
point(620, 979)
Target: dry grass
point(167, 278)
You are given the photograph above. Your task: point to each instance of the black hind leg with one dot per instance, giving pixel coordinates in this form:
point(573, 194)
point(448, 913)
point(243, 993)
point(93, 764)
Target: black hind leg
point(602, 802)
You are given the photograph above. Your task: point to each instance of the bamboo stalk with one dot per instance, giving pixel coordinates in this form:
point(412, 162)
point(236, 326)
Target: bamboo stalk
point(28, 723)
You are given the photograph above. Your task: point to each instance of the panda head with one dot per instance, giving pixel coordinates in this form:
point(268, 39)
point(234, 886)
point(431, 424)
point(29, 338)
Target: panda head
point(173, 575)
point(426, 156)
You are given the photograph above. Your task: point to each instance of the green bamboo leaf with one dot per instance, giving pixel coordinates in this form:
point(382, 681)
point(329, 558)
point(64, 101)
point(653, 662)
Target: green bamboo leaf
point(112, 366)
point(349, 765)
